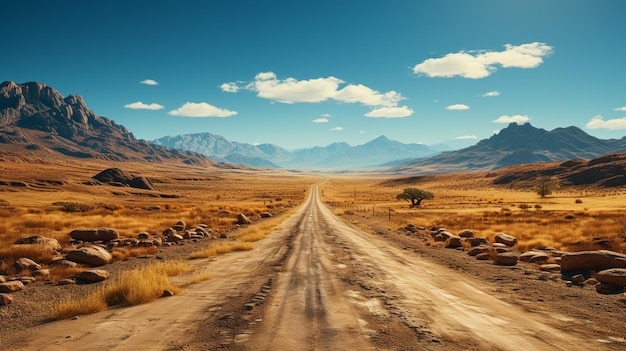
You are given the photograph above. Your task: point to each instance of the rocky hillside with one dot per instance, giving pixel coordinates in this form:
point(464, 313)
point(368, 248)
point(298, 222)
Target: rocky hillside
point(518, 144)
point(36, 118)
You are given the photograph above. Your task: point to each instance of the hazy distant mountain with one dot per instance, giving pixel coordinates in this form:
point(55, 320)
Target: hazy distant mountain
point(335, 155)
point(218, 148)
point(518, 144)
point(36, 118)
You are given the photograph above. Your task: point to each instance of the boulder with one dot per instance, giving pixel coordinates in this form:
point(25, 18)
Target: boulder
point(94, 275)
point(483, 256)
point(11, 286)
point(476, 241)
point(64, 263)
point(174, 238)
point(550, 267)
point(443, 236)
point(478, 250)
point(613, 276)
point(180, 226)
point(5, 299)
point(605, 288)
point(51, 243)
point(466, 233)
point(539, 258)
point(242, 219)
point(504, 258)
point(99, 234)
point(592, 260)
point(90, 255)
point(25, 263)
point(453, 242)
point(41, 273)
point(506, 239)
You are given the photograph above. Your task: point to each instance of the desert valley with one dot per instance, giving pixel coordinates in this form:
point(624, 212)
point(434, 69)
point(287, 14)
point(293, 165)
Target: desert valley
point(108, 242)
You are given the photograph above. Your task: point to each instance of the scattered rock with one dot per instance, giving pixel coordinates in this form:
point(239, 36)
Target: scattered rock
point(606, 288)
point(503, 258)
point(167, 293)
point(551, 267)
point(41, 273)
point(466, 233)
point(51, 243)
point(506, 239)
point(25, 263)
point(99, 234)
point(578, 279)
point(180, 226)
point(11, 286)
point(265, 215)
point(613, 276)
point(592, 260)
point(453, 242)
point(94, 275)
point(91, 255)
point(63, 263)
point(66, 281)
point(242, 219)
point(476, 241)
point(474, 251)
point(5, 299)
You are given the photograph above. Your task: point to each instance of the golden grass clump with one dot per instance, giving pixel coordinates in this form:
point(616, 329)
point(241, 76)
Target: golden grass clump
point(134, 287)
point(221, 248)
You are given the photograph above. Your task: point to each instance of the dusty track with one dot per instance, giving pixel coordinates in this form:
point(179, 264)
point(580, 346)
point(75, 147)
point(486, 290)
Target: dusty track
point(318, 284)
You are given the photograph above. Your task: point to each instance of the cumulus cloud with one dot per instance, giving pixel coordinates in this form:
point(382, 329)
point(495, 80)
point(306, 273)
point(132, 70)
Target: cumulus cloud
point(597, 122)
point(149, 82)
point(229, 87)
point(511, 119)
point(390, 112)
point(491, 93)
point(336, 129)
point(201, 109)
point(457, 107)
point(290, 90)
point(623, 108)
point(320, 120)
point(481, 64)
point(466, 137)
point(141, 106)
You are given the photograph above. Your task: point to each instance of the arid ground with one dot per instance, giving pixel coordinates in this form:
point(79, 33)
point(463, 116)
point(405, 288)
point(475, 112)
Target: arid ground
point(338, 273)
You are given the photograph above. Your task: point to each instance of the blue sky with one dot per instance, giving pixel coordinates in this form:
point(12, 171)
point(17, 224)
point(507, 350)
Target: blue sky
point(303, 73)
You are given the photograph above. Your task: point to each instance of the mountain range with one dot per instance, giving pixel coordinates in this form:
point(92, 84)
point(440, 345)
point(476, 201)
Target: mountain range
point(516, 144)
point(36, 119)
point(335, 155)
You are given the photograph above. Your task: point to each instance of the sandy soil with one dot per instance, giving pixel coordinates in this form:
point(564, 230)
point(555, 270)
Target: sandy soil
point(322, 284)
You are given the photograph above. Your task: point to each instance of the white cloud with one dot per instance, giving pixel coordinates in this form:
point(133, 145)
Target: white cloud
point(511, 119)
point(390, 112)
point(623, 108)
point(466, 137)
point(361, 94)
point(325, 115)
point(481, 64)
point(457, 107)
point(597, 122)
point(337, 129)
point(229, 87)
point(149, 82)
point(491, 93)
point(201, 109)
point(320, 120)
point(141, 106)
point(291, 90)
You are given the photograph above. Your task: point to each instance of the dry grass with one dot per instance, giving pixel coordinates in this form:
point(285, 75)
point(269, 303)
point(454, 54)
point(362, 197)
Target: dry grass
point(134, 287)
point(571, 220)
point(200, 278)
point(220, 249)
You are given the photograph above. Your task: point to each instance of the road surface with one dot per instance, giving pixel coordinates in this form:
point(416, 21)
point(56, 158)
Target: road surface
point(317, 284)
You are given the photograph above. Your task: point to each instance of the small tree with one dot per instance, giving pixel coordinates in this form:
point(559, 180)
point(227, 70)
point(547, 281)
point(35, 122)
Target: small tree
point(546, 185)
point(415, 196)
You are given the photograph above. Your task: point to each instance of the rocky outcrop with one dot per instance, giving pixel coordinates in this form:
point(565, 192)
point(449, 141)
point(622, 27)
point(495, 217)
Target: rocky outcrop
point(592, 261)
point(92, 235)
point(115, 176)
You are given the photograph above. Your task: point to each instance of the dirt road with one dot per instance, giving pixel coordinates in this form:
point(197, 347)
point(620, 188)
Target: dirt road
point(318, 284)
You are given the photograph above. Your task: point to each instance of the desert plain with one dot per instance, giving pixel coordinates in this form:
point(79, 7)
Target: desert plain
point(325, 262)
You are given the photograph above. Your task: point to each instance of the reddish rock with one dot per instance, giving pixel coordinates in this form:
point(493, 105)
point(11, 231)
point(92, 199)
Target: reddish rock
point(613, 276)
point(94, 275)
point(592, 260)
point(11, 286)
point(506, 239)
point(90, 255)
point(99, 234)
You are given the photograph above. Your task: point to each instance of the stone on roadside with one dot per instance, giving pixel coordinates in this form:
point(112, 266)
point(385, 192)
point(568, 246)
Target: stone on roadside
point(90, 255)
point(476, 241)
point(11, 286)
point(25, 263)
point(478, 250)
point(466, 233)
point(242, 219)
point(5, 299)
point(94, 275)
point(613, 276)
point(550, 267)
point(453, 242)
point(592, 260)
point(266, 215)
point(98, 234)
point(506, 239)
point(51, 243)
point(503, 258)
